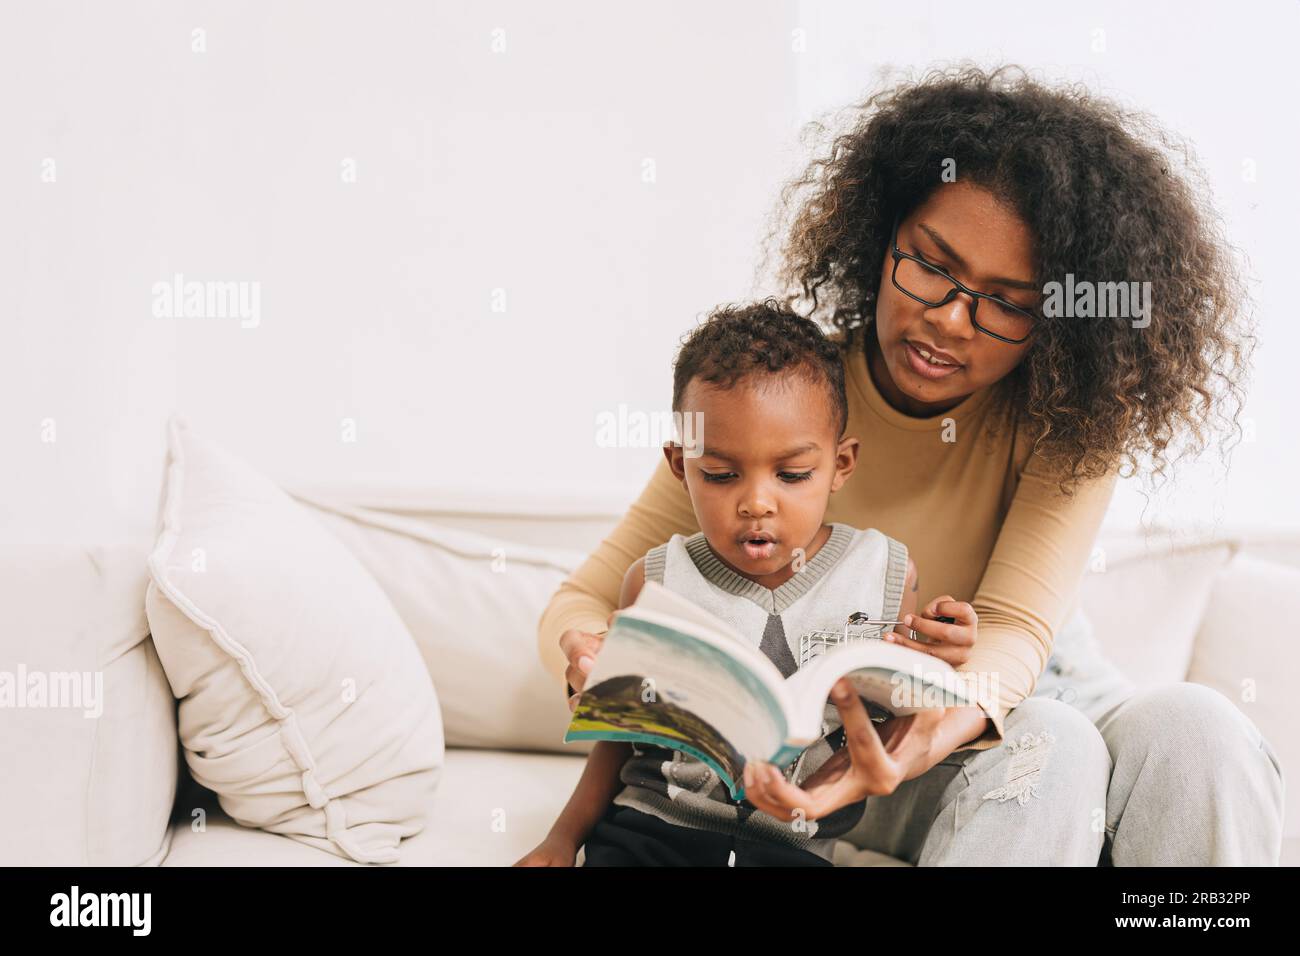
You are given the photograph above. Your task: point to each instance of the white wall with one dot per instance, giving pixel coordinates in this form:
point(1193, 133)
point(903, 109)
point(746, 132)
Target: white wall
point(475, 170)
point(1222, 75)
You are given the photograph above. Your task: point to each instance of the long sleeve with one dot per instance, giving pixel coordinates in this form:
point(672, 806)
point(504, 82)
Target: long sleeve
point(1030, 583)
point(586, 597)
point(1025, 589)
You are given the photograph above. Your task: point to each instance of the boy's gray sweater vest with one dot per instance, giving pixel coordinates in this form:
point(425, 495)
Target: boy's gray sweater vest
point(855, 570)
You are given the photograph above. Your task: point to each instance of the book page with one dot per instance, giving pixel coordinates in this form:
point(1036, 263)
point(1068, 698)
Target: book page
point(660, 685)
point(897, 678)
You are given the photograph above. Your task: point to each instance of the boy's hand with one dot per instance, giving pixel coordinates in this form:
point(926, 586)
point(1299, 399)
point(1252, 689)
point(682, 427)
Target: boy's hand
point(553, 851)
point(949, 642)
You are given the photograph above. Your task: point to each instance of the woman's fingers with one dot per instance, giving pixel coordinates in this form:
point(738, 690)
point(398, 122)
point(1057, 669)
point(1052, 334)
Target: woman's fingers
point(780, 798)
point(955, 652)
point(576, 676)
point(755, 773)
point(961, 635)
point(768, 790)
point(581, 648)
point(948, 642)
point(836, 764)
point(860, 768)
point(575, 644)
point(938, 631)
point(946, 606)
point(930, 645)
point(866, 751)
point(954, 655)
point(924, 646)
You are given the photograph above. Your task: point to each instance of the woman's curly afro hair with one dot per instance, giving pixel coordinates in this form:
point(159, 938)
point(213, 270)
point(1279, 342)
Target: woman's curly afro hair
point(1093, 182)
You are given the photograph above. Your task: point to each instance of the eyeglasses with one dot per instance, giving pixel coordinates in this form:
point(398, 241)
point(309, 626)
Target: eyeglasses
point(931, 286)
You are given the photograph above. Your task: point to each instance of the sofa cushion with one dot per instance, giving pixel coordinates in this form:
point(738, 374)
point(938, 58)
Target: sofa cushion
point(491, 808)
point(1246, 651)
point(472, 602)
point(87, 768)
point(304, 704)
point(1144, 597)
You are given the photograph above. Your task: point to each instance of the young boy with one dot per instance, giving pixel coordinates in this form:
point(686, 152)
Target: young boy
point(770, 387)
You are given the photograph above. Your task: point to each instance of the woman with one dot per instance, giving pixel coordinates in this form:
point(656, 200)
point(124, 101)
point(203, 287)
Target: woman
point(998, 417)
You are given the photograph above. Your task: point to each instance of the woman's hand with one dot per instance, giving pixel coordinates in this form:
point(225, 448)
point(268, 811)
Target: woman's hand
point(553, 851)
point(952, 642)
point(872, 762)
point(581, 648)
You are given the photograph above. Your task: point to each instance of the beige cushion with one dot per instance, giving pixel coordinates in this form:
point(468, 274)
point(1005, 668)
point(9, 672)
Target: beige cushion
point(303, 702)
point(89, 782)
point(472, 602)
point(491, 808)
point(1144, 598)
point(1246, 650)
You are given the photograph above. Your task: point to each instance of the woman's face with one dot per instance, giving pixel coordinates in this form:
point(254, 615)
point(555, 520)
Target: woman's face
point(982, 243)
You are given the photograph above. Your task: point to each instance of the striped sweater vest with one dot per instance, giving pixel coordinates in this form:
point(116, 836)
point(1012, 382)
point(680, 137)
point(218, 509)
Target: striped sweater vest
point(855, 570)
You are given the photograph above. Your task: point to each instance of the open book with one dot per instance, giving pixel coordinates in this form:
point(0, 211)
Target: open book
point(671, 674)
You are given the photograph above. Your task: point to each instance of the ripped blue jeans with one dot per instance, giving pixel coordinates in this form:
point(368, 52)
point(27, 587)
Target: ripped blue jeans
point(1092, 771)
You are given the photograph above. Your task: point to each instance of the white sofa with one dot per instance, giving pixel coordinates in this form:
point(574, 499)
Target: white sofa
point(470, 577)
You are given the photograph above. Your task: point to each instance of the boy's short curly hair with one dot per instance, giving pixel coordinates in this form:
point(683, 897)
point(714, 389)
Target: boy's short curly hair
point(1108, 195)
point(741, 342)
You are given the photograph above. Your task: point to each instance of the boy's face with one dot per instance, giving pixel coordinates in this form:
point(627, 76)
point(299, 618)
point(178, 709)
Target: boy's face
point(769, 462)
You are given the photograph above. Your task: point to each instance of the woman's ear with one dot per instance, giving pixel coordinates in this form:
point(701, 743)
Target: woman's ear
point(846, 460)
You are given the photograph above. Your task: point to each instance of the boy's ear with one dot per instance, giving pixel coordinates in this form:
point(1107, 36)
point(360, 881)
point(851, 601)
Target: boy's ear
point(846, 460)
point(675, 455)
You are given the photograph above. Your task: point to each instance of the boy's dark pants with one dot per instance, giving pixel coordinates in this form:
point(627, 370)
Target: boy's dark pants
point(628, 837)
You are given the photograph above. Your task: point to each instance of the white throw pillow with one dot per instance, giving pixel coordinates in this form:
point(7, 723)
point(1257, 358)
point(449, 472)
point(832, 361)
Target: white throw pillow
point(472, 602)
point(87, 721)
point(1145, 600)
point(1247, 651)
point(303, 701)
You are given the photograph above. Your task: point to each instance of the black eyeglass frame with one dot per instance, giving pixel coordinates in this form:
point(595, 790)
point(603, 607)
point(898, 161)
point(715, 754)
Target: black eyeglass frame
point(899, 255)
